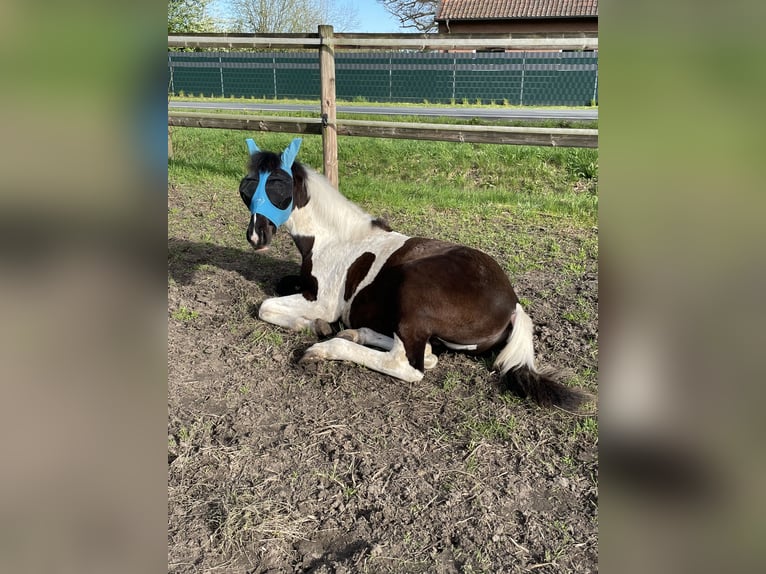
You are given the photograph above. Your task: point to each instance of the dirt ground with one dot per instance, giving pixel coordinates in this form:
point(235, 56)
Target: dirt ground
point(273, 467)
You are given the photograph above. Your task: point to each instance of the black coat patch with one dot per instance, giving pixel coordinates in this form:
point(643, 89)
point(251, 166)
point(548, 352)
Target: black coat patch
point(309, 283)
point(357, 272)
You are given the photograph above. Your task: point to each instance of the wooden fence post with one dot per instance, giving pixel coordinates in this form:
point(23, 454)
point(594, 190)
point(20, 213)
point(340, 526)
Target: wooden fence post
point(327, 90)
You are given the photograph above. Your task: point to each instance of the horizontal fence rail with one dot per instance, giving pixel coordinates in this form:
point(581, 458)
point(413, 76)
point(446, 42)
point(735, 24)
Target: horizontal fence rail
point(556, 137)
point(516, 41)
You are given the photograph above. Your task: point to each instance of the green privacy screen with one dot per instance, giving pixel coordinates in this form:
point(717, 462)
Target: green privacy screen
point(516, 78)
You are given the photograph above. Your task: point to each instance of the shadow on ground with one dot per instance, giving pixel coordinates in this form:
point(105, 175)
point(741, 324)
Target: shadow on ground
point(187, 257)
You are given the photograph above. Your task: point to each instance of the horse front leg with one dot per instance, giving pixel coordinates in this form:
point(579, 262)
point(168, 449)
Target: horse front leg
point(297, 313)
point(391, 362)
point(370, 338)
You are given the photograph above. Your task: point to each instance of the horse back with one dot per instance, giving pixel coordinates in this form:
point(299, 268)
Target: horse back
point(438, 289)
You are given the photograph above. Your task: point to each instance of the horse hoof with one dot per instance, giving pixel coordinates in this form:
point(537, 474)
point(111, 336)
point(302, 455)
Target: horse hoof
point(311, 356)
point(349, 334)
point(322, 328)
point(308, 359)
point(429, 361)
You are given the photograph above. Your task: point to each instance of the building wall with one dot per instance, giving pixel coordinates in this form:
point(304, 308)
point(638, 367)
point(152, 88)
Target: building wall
point(533, 25)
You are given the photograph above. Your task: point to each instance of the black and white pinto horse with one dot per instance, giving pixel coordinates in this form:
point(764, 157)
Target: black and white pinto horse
point(396, 294)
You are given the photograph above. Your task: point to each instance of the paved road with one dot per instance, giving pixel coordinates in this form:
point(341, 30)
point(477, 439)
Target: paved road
point(453, 112)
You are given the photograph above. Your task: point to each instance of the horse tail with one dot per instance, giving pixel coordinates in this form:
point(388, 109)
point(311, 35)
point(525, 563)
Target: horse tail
point(516, 363)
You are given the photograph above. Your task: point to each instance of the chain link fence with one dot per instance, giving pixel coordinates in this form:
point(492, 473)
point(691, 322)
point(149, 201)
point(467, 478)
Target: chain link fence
point(510, 78)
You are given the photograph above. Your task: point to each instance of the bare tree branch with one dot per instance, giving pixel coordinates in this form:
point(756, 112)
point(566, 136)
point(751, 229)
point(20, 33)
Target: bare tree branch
point(285, 16)
point(417, 14)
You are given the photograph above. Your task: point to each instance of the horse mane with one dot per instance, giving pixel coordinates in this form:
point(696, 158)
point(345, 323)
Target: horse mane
point(264, 161)
point(329, 209)
point(335, 211)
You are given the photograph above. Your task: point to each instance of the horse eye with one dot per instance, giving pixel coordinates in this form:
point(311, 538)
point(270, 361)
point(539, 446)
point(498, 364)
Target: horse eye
point(279, 188)
point(247, 189)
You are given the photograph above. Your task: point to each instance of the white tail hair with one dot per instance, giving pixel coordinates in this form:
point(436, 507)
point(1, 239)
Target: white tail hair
point(516, 363)
point(519, 350)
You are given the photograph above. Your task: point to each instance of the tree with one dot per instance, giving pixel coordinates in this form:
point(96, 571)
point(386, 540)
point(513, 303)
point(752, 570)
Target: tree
point(290, 16)
point(189, 16)
point(343, 16)
point(417, 14)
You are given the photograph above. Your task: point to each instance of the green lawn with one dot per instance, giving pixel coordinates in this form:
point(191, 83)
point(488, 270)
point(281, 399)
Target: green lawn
point(384, 175)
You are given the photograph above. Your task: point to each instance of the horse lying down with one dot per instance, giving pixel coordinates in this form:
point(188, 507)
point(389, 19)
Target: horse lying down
point(397, 294)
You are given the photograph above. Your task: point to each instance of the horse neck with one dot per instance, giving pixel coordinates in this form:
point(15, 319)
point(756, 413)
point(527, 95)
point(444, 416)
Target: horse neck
point(328, 216)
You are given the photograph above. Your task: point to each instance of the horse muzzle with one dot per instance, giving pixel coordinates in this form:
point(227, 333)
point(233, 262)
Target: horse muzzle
point(259, 232)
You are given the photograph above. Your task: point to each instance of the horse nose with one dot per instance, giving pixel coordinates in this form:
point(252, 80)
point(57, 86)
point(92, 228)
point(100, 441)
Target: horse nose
point(258, 235)
point(250, 237)
point(258, 240)
point(250, 234)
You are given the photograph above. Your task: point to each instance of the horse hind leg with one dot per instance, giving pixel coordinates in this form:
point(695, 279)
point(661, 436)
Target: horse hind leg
point(393, 362)
point(368, 337)
point(429, 359)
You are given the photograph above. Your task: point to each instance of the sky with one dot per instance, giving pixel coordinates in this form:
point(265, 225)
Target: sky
point(371, 15)
point(374, 18)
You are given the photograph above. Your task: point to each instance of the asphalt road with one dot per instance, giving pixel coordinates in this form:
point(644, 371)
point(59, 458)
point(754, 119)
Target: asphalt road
point(443, 111)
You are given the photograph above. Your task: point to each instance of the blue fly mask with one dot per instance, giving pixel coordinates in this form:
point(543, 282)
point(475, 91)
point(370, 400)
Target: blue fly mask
point(281, 180)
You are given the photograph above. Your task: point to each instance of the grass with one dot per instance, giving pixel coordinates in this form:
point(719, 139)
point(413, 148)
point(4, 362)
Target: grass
point(393, 176)
point(588, 427)
point(269, 338)
point(493, 429)
point(242, 517)
point(362, 101)
point(184, 314)
point(580, 314)
point(451, 381)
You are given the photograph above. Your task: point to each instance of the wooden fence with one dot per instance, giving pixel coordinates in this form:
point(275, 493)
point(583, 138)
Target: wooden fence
point(326, 41)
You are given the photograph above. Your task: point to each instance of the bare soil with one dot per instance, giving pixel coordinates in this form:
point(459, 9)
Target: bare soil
point(273, 467)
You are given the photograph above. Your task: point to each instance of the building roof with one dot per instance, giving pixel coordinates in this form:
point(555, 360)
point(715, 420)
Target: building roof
point(511, 9)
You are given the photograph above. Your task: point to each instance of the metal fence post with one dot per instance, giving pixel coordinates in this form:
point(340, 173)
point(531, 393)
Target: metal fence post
point(595, 89)
point(327, 91)
point(523, 69)
point(172, 88)
point(220, 68)
point(454, 78)
point(274, 73)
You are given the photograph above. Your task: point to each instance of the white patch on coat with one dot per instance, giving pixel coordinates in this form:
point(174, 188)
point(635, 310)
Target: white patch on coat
point(342, 232)
point(459, 347)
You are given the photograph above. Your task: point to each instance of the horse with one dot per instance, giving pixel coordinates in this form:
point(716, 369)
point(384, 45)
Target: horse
point(395, 295)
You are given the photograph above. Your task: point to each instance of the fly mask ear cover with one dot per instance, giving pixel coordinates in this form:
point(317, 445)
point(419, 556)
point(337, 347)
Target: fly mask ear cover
point(260, 203)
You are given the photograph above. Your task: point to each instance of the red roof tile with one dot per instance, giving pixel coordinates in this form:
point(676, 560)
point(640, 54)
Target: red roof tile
point(502, 9)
